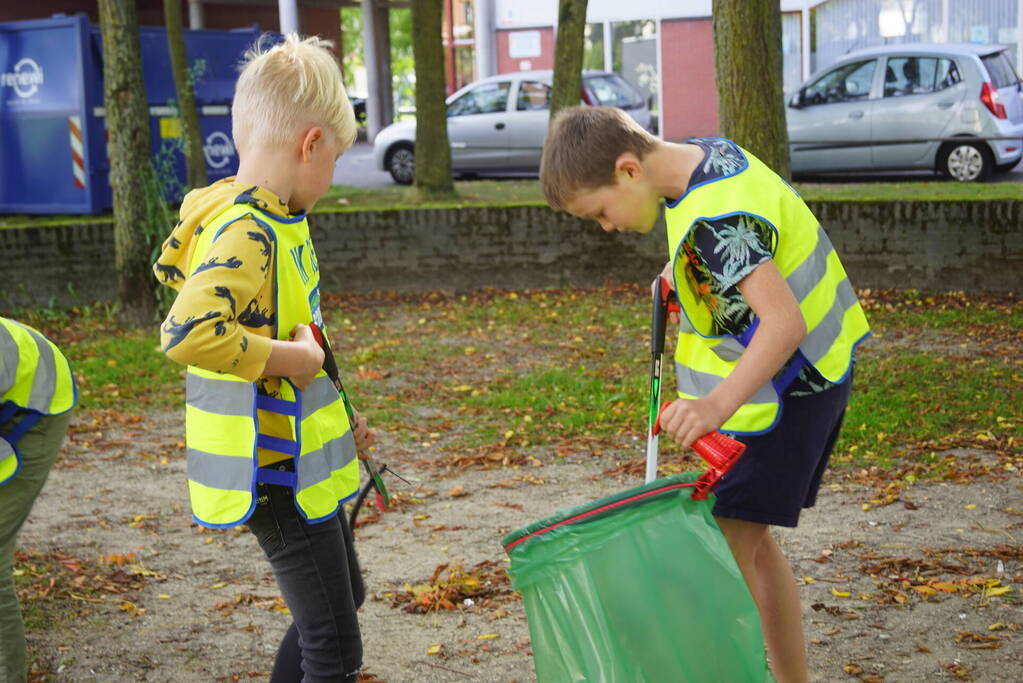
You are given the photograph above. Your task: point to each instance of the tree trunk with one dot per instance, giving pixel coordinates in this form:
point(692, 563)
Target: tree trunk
point(191, 137)
point(140, 216)
point(566, 91)
point(433, 153)
point(748, 62)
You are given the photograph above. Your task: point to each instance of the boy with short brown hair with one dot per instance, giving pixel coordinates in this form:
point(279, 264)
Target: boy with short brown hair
point(768, 318)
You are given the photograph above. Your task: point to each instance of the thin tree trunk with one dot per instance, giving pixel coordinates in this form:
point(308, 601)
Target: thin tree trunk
point(187, 111)
point(433, 153)
point(748, 62)
point(139, 211)
point(566, 91)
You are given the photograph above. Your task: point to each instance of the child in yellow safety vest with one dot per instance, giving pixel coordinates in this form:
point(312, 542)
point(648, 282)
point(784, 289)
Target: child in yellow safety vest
point(768, 320)
point(37, 393)
point(268, 439)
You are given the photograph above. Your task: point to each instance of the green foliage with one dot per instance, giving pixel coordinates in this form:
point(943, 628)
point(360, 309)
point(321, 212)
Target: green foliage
point(403, 79)
point(351, 44)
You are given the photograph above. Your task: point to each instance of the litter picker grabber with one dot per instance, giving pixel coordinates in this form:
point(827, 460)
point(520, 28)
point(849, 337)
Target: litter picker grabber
point(717, 450)
point(375, 481)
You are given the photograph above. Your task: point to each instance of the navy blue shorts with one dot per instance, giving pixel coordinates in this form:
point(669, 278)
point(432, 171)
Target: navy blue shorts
point(780, 472)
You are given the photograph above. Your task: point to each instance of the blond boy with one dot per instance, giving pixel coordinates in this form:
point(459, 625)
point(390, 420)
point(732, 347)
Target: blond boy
point(268, 439)
point(769, 319)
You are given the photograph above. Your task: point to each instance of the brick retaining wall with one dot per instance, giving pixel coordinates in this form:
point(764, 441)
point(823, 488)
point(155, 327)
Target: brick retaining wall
point(972, 246)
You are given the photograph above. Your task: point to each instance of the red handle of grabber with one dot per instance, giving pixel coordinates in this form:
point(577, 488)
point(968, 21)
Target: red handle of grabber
point(717, 450)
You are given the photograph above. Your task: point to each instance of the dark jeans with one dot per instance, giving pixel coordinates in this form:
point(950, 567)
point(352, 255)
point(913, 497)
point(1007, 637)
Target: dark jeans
point(318, 576)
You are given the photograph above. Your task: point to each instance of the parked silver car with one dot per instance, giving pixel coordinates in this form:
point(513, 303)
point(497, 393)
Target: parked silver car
point(895, 100)
point(497, 125)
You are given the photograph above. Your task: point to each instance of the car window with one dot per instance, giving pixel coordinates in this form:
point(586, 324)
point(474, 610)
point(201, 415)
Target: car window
point(918, 75)
point(847, 83)
point(488, 98)
point(533, 96)
point(1001, 70)
point(612, 91)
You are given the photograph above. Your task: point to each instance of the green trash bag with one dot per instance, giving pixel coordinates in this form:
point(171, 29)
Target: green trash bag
point(640, 587)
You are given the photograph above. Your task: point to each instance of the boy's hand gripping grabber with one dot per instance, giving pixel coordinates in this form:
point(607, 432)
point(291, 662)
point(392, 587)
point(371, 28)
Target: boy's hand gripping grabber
point(375, 480)
point(717, 450)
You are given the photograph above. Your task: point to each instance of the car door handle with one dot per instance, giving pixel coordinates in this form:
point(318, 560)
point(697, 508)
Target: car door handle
point(459, 145)
point(856, 114)
point(945, 104)
point(499, 126)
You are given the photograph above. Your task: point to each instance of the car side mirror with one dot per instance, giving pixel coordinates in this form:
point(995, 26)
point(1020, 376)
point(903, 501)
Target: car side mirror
point(797, 100)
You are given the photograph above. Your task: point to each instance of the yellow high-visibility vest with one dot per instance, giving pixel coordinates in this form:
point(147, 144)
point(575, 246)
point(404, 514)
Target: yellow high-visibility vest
point(835, 321)
point(221, 421)
point(35, 380)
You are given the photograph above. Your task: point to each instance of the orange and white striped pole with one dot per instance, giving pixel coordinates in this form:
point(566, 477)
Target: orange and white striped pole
point(77, 151)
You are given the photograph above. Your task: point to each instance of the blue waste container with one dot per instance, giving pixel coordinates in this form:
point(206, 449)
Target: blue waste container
point(53, 155)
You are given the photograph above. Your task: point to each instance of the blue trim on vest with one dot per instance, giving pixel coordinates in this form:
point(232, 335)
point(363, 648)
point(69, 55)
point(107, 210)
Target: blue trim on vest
point(296, 218)
point(674, 264)
point(252, 491)
point(277, 405)
point(8, 413)
point(17, 466)
point(274, 443)
point(745, 159)
point(223, 227)
point(27, 422)
point(9, 410)
point(777, 419)
point(783, 382)
point(852, 359)
point(331, 515)
point(269, 475)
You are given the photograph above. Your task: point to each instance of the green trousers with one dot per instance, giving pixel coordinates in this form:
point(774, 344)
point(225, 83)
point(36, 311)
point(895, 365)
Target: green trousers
point(38, 449)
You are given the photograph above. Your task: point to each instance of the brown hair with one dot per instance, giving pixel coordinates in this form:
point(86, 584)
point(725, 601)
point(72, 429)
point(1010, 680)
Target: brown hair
point(581, 149)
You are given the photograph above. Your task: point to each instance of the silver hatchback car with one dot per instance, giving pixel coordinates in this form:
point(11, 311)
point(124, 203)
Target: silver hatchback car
point(893, 102)
point(497, 125)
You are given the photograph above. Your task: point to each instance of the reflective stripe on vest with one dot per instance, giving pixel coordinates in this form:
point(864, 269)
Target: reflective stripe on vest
point(807, 260)
point(35, 378)
point(9, 462)
point(222, 411)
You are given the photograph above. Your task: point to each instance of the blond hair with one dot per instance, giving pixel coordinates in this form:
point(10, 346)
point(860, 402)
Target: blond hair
point(286, 87)
point(581, 149)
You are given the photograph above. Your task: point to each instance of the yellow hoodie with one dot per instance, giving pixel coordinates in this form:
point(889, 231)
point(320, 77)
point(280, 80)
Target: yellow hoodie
point(223, 317)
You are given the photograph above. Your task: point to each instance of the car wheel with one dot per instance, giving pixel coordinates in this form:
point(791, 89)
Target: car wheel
point(401, 163)
point(966, 161)
point(1005, 168)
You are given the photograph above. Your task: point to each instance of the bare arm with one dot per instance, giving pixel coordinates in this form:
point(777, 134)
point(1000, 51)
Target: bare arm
point(781, 331)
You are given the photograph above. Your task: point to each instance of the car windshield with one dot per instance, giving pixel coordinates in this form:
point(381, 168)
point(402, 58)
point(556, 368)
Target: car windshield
point(844, 84)
point(1002, 72)
point(612, 91)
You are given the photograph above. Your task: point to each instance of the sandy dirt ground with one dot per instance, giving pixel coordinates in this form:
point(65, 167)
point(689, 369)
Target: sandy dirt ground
point(905, 592)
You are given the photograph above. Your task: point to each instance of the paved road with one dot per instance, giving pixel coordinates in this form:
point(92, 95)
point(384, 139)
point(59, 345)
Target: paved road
point(356, 168)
